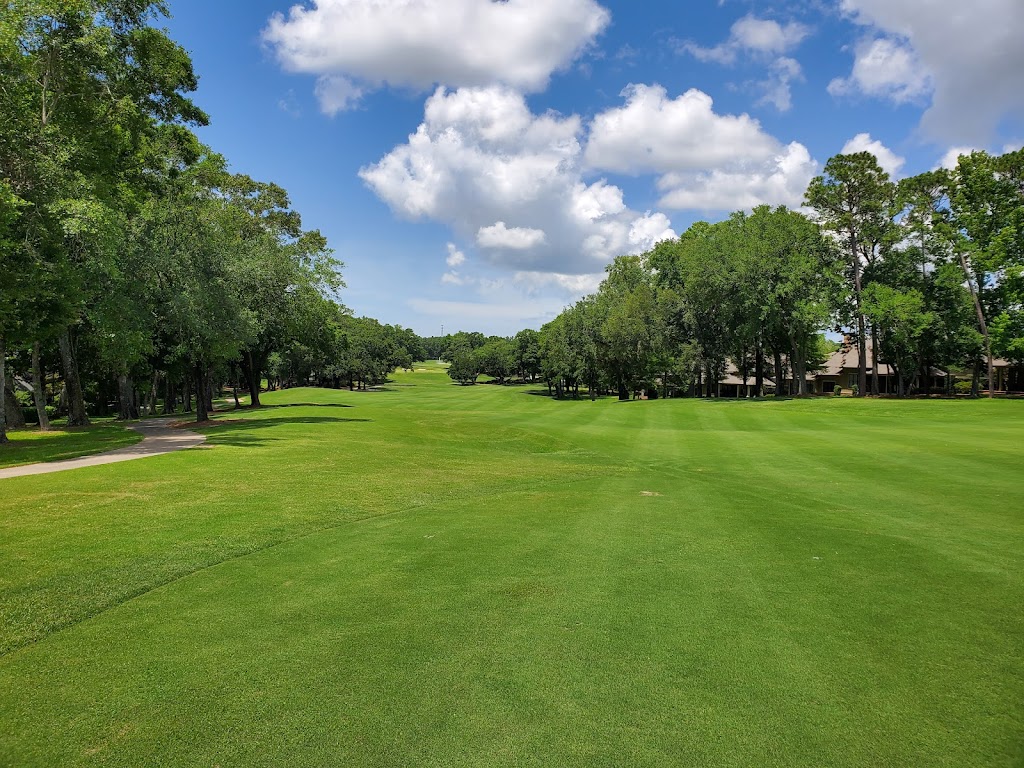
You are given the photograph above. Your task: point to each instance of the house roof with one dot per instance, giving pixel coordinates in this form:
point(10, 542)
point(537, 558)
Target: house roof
point(733, 378)
point(847, 358)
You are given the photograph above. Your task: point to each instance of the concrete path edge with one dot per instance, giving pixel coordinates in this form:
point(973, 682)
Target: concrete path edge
point(159, 437)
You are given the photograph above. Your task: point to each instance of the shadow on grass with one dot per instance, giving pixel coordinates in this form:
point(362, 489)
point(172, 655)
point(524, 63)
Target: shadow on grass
point(246, 433)
point(291, 405)
point(583, 398)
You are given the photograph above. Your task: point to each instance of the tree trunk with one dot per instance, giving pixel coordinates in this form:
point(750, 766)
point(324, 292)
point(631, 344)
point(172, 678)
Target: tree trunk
point(3, 385)
point(780, 377)
point(874, 360)
point(799, 375)
point(208, 390)
point(186, 399)
point(982, 324)
point(126, 398)
point(623, 391)
point(745, 375)
point(759, 371)
point(39, 388)
point(200, 386)
point(169, 395)
point(73, 384)
point(152, 396)
point(862, 343)
point(15, 416)
point(253, 375)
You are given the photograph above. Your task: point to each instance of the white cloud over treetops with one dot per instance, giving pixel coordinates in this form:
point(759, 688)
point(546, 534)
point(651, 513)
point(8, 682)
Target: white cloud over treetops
point(888, 160)
point(967, 56)
point(356, 45)
point(512, 182)
point(706, 161)
point(515, 183)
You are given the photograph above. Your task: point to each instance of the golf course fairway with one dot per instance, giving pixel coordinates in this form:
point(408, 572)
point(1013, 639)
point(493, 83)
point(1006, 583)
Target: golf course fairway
point(438, 575)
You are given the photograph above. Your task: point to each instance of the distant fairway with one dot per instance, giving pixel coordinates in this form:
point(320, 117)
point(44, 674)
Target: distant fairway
point(443, 575)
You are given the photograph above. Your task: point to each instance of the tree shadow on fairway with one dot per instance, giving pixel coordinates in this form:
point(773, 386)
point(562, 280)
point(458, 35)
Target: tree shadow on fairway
point(247, 434)
point(583, 398)
point(295, 405)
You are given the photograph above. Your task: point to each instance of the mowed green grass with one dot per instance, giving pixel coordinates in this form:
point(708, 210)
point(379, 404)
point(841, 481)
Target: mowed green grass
point(438, 575)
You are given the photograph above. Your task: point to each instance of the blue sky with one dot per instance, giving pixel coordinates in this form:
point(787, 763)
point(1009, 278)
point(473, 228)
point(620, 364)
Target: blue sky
point(477, 163)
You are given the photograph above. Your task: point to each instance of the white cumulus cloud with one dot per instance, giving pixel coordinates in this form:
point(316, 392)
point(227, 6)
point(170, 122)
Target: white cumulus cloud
point(966, 56)
point(765, 41)
point(952, 156)
point(653, 133)
point(456, 258)
point(355, 45)
point(889, 161)
point(706, 161)
point(776, 88)
point(499, 236)
point(780, 181)
point(885, 68)
point(511, 181)
point(752, 35)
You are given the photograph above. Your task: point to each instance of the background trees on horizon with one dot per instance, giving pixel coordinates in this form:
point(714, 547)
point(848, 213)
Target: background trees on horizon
point(919, 274)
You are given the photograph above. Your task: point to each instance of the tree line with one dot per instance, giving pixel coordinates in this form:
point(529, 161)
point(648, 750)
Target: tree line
point(923, 273)
point(137, 271)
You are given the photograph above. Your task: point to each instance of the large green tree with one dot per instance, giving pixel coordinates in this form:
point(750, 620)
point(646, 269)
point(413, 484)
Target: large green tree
point(854, 199)
point(85, 83)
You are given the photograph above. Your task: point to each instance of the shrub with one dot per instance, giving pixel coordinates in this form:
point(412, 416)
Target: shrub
point(962, 387)
point(31, 417)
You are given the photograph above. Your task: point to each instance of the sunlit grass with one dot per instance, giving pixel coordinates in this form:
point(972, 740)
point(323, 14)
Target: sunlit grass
point(439, 575)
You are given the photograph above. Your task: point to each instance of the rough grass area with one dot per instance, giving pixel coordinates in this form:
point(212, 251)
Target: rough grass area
point(440, 575)
point(29, 446)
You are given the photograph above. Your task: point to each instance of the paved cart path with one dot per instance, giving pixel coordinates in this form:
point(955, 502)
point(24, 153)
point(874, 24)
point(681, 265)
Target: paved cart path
point(159, 437)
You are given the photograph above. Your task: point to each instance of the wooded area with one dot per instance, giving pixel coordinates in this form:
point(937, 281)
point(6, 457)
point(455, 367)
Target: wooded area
point(137, 270)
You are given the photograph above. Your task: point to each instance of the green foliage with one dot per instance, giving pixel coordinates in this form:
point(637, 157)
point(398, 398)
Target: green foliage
point(464, 367)
point(496, 358)
point(527, 353)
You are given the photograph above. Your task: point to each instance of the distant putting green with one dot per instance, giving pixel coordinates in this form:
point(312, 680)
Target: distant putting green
point(479, 576)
